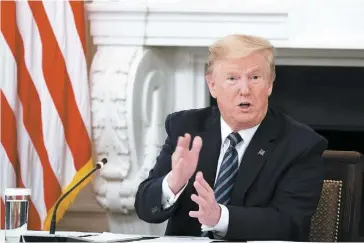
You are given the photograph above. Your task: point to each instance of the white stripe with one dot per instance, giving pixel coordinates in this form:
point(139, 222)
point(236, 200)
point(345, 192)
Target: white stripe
point(62, 21)
point(58, 151)
point(226, 181)
point(31, 167)
point(225, 192)
point(8, 72)
point(225, 170)
point(8, 77)
point(7, 173)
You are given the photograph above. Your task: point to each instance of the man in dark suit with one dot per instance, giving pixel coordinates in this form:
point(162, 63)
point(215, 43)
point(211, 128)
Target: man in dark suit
point(239, 171)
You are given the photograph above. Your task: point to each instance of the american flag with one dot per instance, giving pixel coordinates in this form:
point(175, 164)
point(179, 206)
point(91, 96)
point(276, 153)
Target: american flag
point(45, 103)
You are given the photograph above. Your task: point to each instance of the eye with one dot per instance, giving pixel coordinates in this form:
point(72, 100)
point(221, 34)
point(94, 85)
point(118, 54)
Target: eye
point(232, 78)
point(255, 77)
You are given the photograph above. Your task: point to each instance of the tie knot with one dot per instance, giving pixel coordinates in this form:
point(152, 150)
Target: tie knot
point(234, 138)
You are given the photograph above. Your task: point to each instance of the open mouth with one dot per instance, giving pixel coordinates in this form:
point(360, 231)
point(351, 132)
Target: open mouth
point(244, 105)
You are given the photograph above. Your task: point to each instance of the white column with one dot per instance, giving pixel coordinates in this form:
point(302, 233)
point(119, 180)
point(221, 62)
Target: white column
point(129, 89)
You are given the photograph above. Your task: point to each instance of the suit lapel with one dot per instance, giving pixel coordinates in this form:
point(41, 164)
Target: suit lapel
point(255, 156)
point(211, 144)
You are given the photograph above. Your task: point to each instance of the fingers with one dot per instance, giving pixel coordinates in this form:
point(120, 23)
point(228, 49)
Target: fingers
point(200, 189)
point(183, 142)
point(199, 200)
point(195, 214)
point(182, 146)
point(196, 145)
point(202, 182)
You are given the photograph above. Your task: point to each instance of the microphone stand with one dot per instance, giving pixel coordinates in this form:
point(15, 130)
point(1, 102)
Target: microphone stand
point(52, 228)
point(52, 237)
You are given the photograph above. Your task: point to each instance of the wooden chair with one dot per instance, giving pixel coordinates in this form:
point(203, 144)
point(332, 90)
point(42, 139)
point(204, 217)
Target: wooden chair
point(338, 212)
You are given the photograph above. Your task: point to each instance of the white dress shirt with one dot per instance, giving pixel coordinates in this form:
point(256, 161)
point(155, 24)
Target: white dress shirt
point(169, 198)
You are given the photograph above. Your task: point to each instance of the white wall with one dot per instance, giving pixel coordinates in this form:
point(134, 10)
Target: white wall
point(327, 23)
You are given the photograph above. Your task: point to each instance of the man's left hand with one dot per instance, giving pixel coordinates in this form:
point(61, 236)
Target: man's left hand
point(209, 211)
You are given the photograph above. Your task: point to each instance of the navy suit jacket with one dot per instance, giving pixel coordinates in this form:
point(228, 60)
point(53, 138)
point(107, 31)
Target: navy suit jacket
point(275, 193)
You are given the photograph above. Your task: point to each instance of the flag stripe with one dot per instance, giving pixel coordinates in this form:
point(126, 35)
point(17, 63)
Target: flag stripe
point(8, 152)
point(31, 104)
point(47, 145)
point(70, 46)
point(31, 171)
point(8, 82)
point(8, 138)
point(10, 166)
point(9, 143)
point(2, 214)
point(34, 222)
point(79, 18)
point(62, 163)
point(7, 174)
point(8, 120)
point(33, 217)
point(58, 84)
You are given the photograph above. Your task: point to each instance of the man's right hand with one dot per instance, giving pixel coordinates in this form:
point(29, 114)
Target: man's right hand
point(184, 162)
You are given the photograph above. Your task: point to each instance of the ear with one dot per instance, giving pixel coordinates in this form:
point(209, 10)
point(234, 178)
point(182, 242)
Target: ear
point(270, 88)
point(211, 84)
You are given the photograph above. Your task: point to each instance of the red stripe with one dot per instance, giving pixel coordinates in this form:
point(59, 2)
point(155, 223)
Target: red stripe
point(31, 104)
point(59, 86)
point(79, 16)
point(9, 142)
point(9, 136)
point(34, 222)
point(2, 211)
point(8, 121)
point(8, 132)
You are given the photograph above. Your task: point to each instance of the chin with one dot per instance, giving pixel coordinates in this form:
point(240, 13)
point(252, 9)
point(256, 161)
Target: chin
point(247, 120)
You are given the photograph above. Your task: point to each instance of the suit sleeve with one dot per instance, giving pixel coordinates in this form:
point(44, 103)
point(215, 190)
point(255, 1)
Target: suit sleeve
point(148, 201)
point(292, 207)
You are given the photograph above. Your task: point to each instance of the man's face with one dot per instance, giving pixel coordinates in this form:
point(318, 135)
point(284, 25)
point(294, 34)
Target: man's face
point(241, 87)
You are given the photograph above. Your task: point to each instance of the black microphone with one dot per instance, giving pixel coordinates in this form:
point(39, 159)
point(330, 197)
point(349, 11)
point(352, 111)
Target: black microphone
point(98, 166)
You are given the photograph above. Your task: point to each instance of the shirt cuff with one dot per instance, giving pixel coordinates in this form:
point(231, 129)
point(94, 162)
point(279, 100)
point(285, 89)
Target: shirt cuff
point(168, 197)
point(220, 229)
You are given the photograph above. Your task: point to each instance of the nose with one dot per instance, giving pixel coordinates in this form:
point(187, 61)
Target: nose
point(244, 87)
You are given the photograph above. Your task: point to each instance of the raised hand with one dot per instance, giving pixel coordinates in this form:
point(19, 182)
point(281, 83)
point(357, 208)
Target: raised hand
point(209, 211)
point(184, 162)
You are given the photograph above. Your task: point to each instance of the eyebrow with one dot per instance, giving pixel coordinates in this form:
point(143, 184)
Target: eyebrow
point(255, 69)
point(230, 73)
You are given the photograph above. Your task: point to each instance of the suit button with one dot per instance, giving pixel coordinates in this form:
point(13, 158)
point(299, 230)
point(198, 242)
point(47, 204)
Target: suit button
point(154, 209)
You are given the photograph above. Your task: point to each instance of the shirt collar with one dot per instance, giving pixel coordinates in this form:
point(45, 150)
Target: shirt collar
point(246, 134)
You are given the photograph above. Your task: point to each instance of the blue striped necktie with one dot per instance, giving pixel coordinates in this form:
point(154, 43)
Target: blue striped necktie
point(228, 171)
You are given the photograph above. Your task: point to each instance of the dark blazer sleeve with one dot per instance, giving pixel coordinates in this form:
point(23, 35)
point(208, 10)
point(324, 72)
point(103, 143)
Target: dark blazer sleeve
point(148, 201)
point(290, 211)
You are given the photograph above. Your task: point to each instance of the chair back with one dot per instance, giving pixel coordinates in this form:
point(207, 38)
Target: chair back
point(338, 212)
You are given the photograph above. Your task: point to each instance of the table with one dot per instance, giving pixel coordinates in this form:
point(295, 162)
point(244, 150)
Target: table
point(111, 237)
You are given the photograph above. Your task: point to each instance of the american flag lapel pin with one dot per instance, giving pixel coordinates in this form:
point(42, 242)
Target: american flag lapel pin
point(261, 152)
